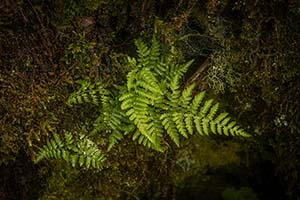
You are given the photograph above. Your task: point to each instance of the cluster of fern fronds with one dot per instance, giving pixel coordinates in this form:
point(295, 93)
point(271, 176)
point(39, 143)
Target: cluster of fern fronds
point(152, 104)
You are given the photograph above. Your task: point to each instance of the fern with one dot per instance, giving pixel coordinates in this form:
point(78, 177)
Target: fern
point(151, 105)
point(143, 53)
point(154, 90)
point(80, 152)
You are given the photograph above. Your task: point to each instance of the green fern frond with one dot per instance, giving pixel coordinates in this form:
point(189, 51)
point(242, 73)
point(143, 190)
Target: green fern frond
point(180, 113)
point(154, 56)
point(143, 52)
point(81, 152)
